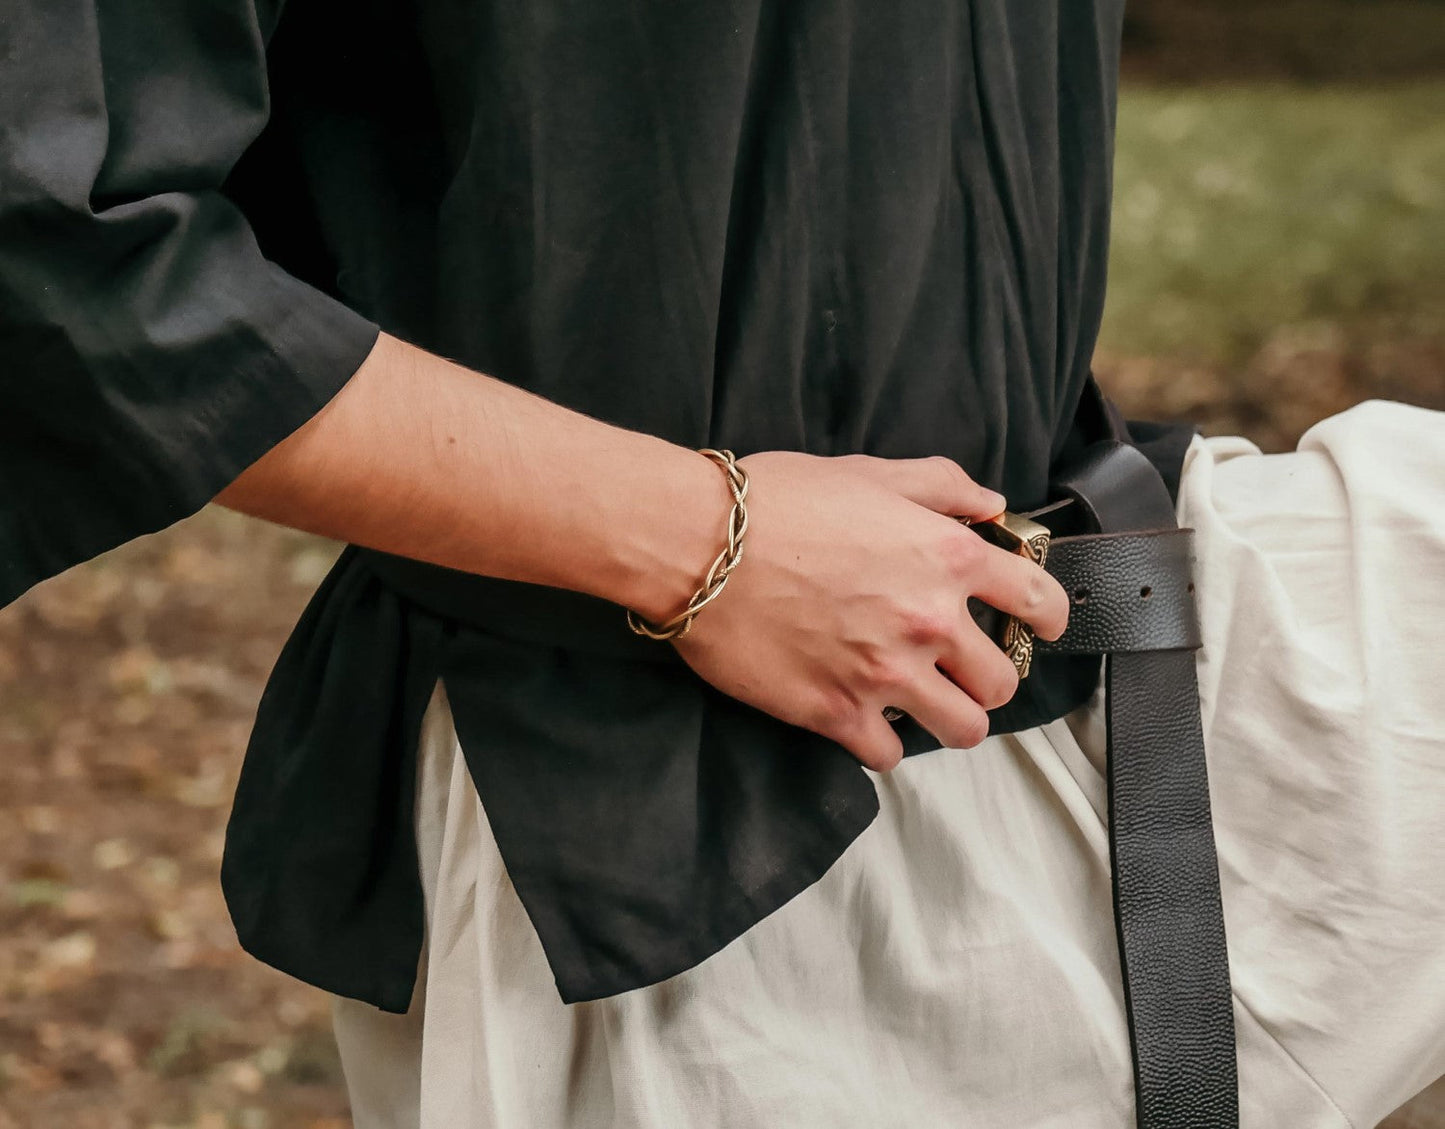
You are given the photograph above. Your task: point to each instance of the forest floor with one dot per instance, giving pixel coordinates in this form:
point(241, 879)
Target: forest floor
point(1275, 260)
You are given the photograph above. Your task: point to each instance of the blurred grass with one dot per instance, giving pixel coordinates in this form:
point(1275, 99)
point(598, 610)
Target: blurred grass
point(1239, 210)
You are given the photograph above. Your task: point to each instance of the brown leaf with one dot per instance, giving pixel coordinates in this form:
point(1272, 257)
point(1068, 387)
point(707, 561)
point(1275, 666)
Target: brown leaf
point(74, 950)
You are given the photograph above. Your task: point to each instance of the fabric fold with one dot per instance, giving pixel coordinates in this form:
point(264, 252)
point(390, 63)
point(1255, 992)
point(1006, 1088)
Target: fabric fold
point(320, 867)
point(646, 818)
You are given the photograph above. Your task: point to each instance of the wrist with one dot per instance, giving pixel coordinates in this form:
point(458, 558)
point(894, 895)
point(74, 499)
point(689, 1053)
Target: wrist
point(677, 531)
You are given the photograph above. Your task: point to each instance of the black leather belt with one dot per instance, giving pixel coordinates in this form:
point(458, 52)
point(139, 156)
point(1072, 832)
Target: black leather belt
point(1131, 586)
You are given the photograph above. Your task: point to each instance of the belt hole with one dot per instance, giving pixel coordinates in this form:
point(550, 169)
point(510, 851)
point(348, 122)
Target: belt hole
point(1191, 588)
point(1145, 592)
point(1081, 595)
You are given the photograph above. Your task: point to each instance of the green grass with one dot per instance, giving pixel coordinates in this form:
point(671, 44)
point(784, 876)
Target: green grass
point(1242, 210)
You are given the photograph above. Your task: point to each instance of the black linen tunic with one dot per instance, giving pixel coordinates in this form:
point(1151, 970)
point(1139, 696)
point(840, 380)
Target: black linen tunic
point(831, 226)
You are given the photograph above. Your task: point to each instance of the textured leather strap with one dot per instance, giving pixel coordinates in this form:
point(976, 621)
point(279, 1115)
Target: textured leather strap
point(1167, 908)
point(1130, 592)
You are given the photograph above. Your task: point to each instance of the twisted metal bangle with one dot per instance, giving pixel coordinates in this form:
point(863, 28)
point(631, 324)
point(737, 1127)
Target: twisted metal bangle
point(727, 560)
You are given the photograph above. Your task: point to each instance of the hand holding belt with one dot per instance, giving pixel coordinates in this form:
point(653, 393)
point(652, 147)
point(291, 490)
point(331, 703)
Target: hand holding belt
point(1127, 591)
point(1127, 568)
point(689, 869)
point(1132, 599)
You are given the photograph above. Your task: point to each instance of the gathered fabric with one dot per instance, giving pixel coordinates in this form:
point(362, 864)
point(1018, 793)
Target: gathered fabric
point(957, 966)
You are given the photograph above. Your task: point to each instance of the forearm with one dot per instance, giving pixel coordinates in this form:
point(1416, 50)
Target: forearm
point(426, 459)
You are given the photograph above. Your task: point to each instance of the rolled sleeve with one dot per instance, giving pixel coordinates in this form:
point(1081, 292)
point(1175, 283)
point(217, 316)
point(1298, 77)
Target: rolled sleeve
point(149, 352)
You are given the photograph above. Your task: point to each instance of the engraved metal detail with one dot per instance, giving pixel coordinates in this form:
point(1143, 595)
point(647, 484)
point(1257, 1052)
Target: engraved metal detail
point(1027, 539)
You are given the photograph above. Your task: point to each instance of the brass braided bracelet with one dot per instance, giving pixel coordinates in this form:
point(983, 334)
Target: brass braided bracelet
point(727, 560)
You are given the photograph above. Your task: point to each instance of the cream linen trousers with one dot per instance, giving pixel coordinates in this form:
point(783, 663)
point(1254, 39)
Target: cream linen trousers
point(957, 966)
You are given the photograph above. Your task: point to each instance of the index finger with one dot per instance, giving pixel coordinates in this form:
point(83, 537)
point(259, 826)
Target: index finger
point(1019, 587)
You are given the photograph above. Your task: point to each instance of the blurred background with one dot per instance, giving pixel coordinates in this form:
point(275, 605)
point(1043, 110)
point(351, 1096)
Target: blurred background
point(1279, 223)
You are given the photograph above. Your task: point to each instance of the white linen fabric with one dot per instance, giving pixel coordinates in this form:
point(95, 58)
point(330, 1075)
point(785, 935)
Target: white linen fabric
point(957, 966)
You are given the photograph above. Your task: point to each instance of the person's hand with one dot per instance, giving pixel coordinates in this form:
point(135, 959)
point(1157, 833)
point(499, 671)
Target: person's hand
point(851, 595)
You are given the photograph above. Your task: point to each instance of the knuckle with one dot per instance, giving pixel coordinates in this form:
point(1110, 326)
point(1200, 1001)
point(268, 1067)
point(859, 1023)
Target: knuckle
point(1003, 685)
point(1043, 602)
point(884, 759)
point(844, 730)
point(952, 477)
point(962, 552)
point(923, 627)
point(862, 737)
point(971, 731)
point(857, 462)
point(1036, 589)
point(889, 675)
point(882, 670)
point(965, 731)
point(834, 714)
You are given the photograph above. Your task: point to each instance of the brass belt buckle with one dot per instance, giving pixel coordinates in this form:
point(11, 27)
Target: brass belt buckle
point(1027, 539)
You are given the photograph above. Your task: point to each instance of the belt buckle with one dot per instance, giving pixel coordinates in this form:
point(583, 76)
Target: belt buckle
point(1028, 539)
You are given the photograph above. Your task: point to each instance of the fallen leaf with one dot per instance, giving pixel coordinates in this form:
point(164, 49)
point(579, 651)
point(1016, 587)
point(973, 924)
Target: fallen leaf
point(112, 854)
point(244, 1076)
point(81, 905)
point(74, 950)
point(116, 1051)
point(171, 925)
point(37, 892)
point(42, 819)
